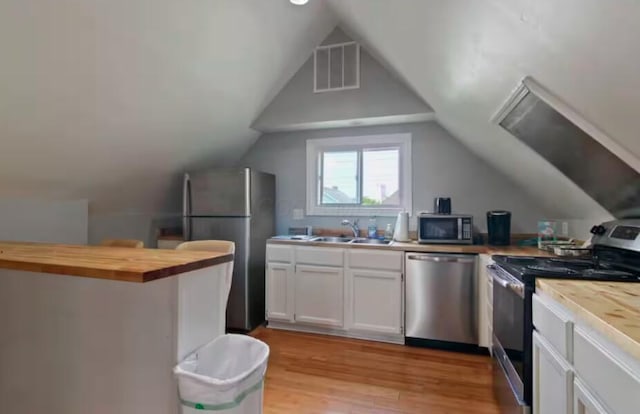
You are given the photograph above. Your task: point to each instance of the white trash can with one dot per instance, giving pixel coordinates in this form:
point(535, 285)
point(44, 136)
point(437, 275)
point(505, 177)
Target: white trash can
point(225, 375)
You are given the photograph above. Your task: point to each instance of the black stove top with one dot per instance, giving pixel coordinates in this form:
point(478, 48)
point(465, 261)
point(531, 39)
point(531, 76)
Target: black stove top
point(527, 269)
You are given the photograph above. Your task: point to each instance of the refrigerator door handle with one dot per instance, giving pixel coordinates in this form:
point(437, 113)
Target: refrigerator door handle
point(186, 207)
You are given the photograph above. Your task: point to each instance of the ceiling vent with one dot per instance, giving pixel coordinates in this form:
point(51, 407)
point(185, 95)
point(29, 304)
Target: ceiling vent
point(586, 155)
point(336, 67)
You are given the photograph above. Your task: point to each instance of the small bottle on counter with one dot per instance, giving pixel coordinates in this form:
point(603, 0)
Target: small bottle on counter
point(373, 228)
point(388, 233)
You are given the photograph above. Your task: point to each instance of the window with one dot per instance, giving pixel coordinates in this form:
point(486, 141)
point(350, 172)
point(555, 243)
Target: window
point(368, 175)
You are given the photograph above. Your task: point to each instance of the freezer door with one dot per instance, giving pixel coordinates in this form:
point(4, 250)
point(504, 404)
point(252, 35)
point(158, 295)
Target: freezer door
point(218, 193)
point(246, 298)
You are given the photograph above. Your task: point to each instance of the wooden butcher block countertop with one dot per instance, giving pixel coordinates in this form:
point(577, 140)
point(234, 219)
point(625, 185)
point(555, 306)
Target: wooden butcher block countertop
point(428, 248)
point(114, 263)
point(611, 308)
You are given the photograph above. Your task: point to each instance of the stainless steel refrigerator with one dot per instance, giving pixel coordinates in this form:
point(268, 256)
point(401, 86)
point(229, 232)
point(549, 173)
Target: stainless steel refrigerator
point(237, 205)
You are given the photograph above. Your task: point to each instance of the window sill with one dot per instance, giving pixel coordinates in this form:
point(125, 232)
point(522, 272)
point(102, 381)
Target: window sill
point(354, 211)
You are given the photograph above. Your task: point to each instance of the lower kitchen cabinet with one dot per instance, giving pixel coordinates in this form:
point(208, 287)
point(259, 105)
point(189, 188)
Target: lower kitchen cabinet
point(584, 402)
point(376, 301)
point(485, 302)
point(552, 380)
point(319, 295)
point(356, 293)
point(576, 368)
point(280, 291)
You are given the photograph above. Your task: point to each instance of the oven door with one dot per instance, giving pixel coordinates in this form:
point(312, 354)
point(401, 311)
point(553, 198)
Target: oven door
point(508, 341)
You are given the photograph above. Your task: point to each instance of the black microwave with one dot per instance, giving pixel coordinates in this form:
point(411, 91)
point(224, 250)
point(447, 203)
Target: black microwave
point(445, 228)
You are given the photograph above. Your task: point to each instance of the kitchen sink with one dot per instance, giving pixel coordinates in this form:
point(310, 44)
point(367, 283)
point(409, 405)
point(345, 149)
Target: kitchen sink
point(333, 239)
point(370, 241)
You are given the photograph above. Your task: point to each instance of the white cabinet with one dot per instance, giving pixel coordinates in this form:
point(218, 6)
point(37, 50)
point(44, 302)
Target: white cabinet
point(376, 301)
point(552, 380)
point(584, 402)
point(280, 291)
point(576, 369)
point(613, 376)
point(554, 324)
point(280, 253)
point(319, 295)
point(485, 302)
point(354, 292)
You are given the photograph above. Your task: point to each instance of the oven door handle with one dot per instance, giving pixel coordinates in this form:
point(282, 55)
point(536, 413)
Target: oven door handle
point(517, 288)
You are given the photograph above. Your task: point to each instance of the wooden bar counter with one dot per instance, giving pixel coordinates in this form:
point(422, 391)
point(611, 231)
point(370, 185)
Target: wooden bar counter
point(87, 329)
point(114, 263)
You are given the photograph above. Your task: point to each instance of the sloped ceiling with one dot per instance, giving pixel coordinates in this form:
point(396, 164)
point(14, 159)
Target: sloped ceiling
point(465, 57)
point(380, 99)
point(111, 100)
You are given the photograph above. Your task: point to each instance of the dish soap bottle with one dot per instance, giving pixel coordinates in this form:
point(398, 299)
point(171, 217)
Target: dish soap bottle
point(373, 228)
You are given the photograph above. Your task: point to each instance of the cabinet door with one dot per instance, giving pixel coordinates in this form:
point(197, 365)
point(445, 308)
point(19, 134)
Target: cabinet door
point(319, 295)
point(280, 292)
point(484, 302)
point(552, 380)
point(376, 301)
point(584, 401)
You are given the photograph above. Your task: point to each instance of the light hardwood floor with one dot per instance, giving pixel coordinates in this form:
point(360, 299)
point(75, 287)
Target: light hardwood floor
point(323, 374)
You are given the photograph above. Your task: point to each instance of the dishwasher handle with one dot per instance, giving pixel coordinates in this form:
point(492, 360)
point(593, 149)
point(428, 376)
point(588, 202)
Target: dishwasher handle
point(441, 259)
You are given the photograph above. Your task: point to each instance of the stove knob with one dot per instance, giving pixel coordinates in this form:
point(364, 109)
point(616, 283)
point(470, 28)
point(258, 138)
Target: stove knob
point(598, 230)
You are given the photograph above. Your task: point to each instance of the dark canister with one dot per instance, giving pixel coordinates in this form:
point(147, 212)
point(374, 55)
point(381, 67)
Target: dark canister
point(499, 227)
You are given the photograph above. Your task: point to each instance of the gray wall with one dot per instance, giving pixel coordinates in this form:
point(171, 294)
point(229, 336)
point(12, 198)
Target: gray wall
point(45, 221)
point(442, 166)
point(139, 226)
point(380, 95)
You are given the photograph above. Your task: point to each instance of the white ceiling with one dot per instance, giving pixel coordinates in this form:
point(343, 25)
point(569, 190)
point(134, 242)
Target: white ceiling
point(111, 100)
point(108, 100)
point(465, 57)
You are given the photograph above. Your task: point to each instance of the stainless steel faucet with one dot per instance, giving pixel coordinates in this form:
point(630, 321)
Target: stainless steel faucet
point(354, 226)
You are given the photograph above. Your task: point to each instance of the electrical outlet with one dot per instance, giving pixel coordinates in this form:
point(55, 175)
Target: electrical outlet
point(565, 228)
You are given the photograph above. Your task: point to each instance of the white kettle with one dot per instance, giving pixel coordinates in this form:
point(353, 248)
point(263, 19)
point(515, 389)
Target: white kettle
point(401, 231)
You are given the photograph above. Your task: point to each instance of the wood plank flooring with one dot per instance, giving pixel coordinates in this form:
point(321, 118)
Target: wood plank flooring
point(323, 374)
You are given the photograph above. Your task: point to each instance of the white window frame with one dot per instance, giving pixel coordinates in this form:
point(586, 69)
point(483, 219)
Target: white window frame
point(316, 146)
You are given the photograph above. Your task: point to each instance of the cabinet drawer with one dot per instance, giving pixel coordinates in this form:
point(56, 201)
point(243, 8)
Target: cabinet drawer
point(279, 253)
point(323, 256)
point(615, 384)
point(554, 324)
point(375, 259)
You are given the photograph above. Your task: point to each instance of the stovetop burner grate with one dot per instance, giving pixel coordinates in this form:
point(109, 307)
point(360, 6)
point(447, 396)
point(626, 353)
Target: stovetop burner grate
point(552, 269)
point(607, 273)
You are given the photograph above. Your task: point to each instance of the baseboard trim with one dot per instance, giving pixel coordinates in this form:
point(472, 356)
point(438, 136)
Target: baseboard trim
point(298, 327)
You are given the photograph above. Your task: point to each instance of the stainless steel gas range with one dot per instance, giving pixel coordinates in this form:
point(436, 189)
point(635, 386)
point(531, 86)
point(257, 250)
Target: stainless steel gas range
point(615, 257)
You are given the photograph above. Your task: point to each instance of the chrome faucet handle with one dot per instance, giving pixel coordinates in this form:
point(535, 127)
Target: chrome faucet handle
point(346, 222)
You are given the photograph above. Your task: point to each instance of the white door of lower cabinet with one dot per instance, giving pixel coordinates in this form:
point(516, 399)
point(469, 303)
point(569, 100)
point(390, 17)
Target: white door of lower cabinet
point(484, 302)
point(319, 295)
point(280, 292)
point(584, 402)
point(552, 380)
point(376, 301)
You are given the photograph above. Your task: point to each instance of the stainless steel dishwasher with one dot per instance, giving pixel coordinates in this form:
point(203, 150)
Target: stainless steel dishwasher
point(440, 297)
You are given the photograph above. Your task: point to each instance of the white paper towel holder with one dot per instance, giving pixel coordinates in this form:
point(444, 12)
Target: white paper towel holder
point(401, 231)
